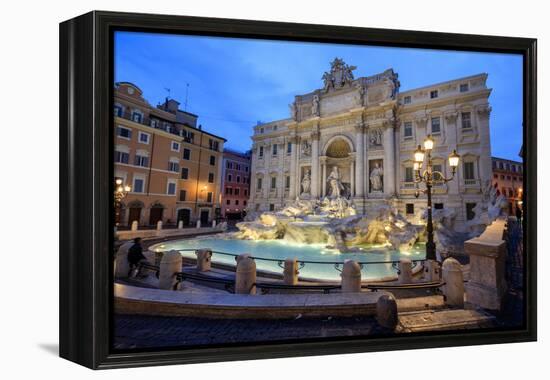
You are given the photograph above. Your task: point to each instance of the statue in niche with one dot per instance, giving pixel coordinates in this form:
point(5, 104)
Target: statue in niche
point(306, 183)
point(375, 137)
point(335, 184)
point(306, 149)
point(376, 178)
point(361, 92)
point(315, 106)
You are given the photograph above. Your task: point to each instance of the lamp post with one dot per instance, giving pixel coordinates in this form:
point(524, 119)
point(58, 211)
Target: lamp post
point(430, 177)
point(120, 194)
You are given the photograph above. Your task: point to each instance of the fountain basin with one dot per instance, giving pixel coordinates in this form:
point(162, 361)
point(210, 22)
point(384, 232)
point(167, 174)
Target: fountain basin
point(274, 250)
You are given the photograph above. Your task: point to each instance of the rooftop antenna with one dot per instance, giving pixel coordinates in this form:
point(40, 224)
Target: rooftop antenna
point(186, 96)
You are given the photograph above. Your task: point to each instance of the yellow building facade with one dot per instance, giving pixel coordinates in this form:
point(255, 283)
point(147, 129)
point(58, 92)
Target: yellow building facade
point(172, 166)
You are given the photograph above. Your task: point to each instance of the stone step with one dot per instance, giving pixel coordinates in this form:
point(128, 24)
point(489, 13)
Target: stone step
point(446, 319)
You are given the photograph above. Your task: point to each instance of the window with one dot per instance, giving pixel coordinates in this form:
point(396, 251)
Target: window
point(261, 130)
point(274, 149)
point(436, 125)
point(213, 144)
point(171, 188)
point(261, 151)
point(438, 170)
point(209, 197)
point(125, 133)
point(509, 178)
point(227, 190)
point(470, 214)
point(510, 192)
point(495, 176)
point(502, 176)
point(230, 190)
point(469, 171)
point(184, 173)
point(183, 195)
point(409, 208)
point(154, 123)
point(228, 165)
point(288, 147)
point(237, 191)
point(118, 111)
point(229, 178)
point(175, 146)
point(259, 184)
point(514, 168)
point(438, 206)
point(143, 137)
point(245, 192)
point(409, 174)
point(211, 177)
point(287, 182)
point(466, 120)
point(186, 154)
point(271, 207)
point(238, 179)
point(246, 169)
point(228, 202)
point(408, 130)
point(138, 185)
point(236, 202)
point(244, 202)
point(507, 166)
point(273, 183)
point(141, 161)
point(173, 166)
point(500, 165)
point(407, 100)
point(122, 157)
point(434, 94)
point(464, 87)
point(137, 117)
point(212, 160)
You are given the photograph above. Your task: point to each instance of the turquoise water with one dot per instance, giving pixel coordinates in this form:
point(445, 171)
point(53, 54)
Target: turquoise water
point(280, 249)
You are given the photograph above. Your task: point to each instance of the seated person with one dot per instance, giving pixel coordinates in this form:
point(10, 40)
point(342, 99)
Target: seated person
point(135, 256)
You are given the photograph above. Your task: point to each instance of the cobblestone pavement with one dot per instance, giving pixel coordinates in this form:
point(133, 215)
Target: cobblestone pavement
point(132, 331)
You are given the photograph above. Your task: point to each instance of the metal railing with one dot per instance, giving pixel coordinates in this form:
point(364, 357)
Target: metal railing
point(337, 265)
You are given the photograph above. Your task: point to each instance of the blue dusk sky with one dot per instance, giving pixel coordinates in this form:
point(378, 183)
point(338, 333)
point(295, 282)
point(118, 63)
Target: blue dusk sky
point(234, 83)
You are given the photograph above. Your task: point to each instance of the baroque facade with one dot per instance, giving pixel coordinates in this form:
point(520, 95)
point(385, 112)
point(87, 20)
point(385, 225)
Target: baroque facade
point(355, 137)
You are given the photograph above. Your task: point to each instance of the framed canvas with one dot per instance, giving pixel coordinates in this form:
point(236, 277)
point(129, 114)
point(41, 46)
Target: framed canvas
point(236, 189)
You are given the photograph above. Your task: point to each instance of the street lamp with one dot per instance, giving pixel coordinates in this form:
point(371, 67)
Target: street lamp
point(430, 177)
point(120, 194)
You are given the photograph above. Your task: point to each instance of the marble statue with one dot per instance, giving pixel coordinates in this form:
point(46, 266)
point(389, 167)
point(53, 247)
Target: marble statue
point(375, 137)
point(293, 111)
point(340, 75)
point(306, 149)
point(335, 184)
point(315, 106)
point(306, 183)
point(376, 178)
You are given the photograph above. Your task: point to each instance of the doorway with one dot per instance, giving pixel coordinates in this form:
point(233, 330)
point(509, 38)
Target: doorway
point(204, 217)
point(184, 215)
point(134, 215)
point(155, 215)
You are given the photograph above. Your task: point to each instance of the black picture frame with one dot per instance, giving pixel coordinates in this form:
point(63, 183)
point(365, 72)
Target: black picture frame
point(86, 169)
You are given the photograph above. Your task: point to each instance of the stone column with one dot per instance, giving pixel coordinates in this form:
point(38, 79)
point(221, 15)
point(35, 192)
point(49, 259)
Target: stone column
point(290, 272)
point(324, 176)
point(245, 276)
point(315, 164)
point(359, 160)
point(352, 178)
point(293, 154)
point(405, 271)
point(454, 283)
point(389, 161)
point(351, 277)
point(122, 267)
point(169, 265)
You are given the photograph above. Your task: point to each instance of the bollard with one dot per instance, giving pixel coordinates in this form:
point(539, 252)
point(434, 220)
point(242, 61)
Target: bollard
point(386, 311)
point(432, 271)
point(213, 223)
point(170, 264)
point(134, 225)
point(241, 257)
point(203, 259)
point(198, 224)
point(122, 266)
point(159, 225)
point(351, 277)
point(245, 276)
point(454, 283)
point(405, 271)
point(180, 225)
point(290, 272)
